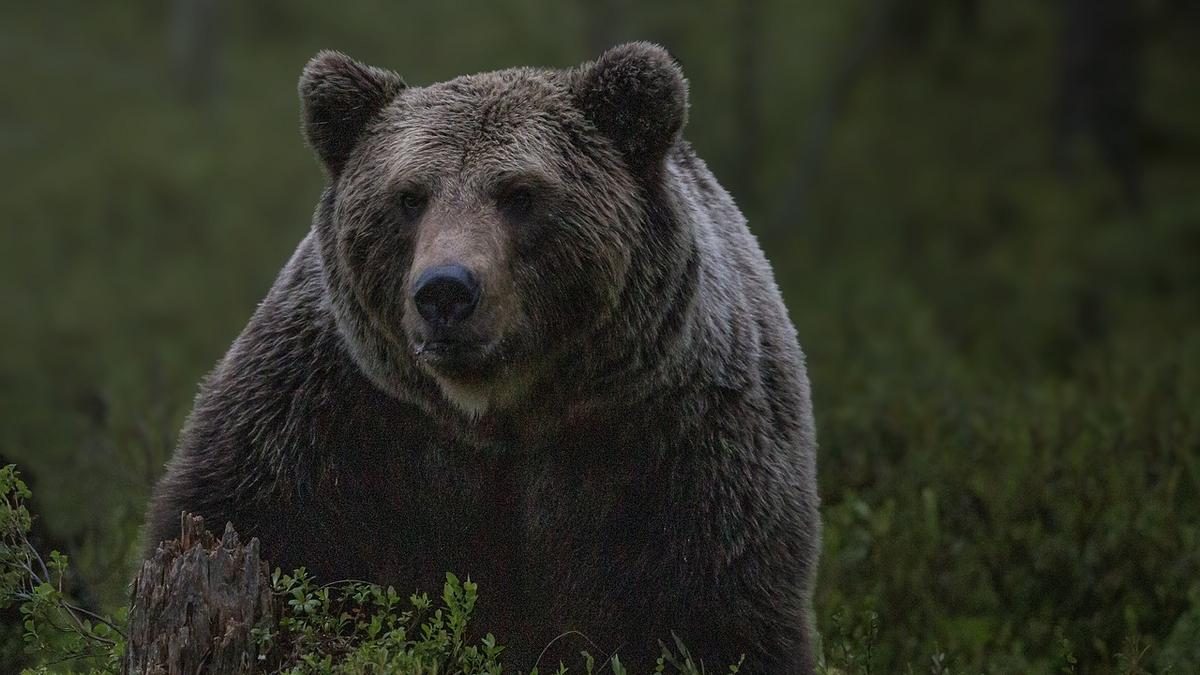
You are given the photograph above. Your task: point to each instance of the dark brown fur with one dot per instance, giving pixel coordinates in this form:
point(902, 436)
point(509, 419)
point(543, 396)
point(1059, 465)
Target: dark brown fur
point(632, 454)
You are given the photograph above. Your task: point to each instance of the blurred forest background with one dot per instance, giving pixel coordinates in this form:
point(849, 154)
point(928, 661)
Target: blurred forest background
point(984, 214)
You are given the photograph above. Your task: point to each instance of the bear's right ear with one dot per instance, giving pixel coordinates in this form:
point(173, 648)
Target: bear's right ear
point(338, 96)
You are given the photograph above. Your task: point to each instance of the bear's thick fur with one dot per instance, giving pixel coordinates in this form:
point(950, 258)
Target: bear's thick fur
point(617, 440)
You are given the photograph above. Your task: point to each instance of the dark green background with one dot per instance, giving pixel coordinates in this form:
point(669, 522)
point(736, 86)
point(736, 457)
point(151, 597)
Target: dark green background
point(984, 215)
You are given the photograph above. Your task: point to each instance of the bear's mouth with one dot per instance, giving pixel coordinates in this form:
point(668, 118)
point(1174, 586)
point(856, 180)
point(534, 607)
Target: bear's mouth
point(458, 359)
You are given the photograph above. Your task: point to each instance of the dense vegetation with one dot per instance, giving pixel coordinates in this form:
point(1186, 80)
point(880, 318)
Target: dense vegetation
point(999, 302)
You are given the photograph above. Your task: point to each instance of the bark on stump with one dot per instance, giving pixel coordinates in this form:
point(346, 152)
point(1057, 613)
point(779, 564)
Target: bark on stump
point(195, 603)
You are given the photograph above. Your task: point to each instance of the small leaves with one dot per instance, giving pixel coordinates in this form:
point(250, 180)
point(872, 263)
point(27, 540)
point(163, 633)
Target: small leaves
point(55, 629)
point(356, 627)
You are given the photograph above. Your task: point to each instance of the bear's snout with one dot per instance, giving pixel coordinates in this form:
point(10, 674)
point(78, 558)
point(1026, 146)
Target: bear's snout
point(446, 295)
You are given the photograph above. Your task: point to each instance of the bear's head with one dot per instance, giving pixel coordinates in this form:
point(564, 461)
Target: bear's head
point(479, 236)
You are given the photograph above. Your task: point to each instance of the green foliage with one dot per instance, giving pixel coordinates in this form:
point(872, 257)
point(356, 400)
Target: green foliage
point(362, 628)
point(53, 625)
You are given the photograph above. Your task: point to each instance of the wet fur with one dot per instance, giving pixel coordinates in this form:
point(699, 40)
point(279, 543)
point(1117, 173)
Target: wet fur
point(654, 468)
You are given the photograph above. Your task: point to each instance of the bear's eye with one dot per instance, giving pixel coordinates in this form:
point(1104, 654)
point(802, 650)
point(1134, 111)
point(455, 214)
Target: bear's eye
point(411, 202)
point(518, 199)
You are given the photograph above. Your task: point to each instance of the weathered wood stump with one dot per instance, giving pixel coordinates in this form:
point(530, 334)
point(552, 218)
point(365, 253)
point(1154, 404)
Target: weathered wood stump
point(195, 603)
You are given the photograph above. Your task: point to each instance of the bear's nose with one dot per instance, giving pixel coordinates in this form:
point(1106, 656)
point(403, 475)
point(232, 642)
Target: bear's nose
point(446, 295)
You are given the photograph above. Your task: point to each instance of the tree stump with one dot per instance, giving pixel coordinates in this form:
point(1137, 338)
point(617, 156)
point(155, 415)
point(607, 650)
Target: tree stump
point(195, 603)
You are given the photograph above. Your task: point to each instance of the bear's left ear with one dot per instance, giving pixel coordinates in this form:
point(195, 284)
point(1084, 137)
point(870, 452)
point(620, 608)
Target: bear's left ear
point(637, 96)
point(338, 96)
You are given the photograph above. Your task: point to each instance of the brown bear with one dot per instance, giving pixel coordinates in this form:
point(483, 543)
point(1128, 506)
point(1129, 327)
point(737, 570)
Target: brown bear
point(529, 339)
